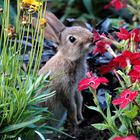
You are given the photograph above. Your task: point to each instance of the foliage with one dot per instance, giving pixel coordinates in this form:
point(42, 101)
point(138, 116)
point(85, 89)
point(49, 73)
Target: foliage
point(122, 121)
point(20, 113)
point(81, 10)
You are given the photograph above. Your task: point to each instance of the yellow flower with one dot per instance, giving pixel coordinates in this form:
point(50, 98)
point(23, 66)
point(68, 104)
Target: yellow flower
point(30, 4)
point(42, 22)
point(33, 7)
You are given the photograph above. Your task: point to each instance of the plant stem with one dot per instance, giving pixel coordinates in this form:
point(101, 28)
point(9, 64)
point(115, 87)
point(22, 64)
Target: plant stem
point(110, 50)
point(97, 102)
point(118, 77)
point(135, 102)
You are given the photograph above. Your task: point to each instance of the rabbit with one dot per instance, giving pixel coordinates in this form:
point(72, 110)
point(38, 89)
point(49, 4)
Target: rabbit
point(67, 67)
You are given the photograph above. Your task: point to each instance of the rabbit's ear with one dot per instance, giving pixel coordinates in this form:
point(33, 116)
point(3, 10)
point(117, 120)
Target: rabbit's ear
point(54, 27)
point(50, 34)
point(55, 23)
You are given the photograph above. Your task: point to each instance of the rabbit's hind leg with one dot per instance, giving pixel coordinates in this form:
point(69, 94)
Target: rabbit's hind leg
point(70, 104)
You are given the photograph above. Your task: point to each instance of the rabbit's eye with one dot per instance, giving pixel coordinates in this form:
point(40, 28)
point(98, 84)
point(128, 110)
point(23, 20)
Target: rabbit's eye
point(72, 39)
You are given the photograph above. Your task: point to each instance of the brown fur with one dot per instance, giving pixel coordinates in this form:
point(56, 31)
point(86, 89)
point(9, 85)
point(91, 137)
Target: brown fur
point(68, 67)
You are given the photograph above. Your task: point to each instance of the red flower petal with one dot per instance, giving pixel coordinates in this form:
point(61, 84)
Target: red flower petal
point(117, 101)
point(83, 84)
point(100, 47)
point(118, 5)
point(133, 95)
point(127, 53)
point(134, 75)
point(123, 34)
point(135, 33)
point(137, 68)
point(132, 137)
point(135, 62)
point(135, 56)
point(124, 104)
point(105, 69)
point(102, 80)
point(125, 93)
point(107, 6)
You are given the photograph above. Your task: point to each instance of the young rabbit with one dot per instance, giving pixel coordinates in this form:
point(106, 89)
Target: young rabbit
point(68, 66)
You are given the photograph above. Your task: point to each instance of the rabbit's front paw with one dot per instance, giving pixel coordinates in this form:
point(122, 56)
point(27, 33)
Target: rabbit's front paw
point(80, 117)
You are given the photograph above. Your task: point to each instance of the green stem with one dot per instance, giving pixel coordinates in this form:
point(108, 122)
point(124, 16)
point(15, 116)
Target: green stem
point(97, 102)
point(135, 102)
point(118, 77)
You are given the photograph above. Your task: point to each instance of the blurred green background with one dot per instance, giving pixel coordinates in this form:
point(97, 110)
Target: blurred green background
point(79, 10)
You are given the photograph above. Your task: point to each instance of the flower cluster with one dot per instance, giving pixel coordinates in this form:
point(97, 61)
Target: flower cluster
point(102, 43)
point(122, 61)
point(117, 4)
point(126, 60)
point(126, 35)
point(124, 65)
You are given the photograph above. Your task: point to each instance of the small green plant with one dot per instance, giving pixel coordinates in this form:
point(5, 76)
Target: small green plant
point(20, 113)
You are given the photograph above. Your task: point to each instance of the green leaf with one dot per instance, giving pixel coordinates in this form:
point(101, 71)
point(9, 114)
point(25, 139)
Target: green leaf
point(40, 135)
point(59, 131)
point(100, 126)
point(93, 108)
point(108, 102)
point(88, 6)
point(125, 77)
point(123, 129)
point(21, 125)
point(41, 98)
point(131, 113)
point(38, 80)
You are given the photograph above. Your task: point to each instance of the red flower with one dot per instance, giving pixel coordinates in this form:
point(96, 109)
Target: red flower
point(135, 73)
point(132, 137)
point(125, 34)
point(91, 81)
point(125, 98)
point(100, 45)
point(127, 56)
point(121, 61)
point(117, 4)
